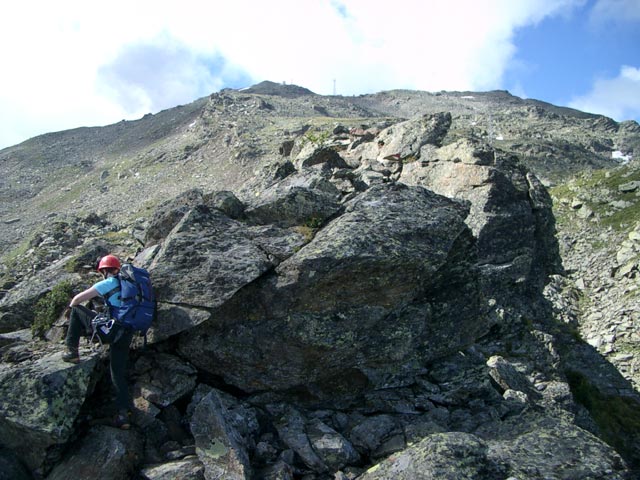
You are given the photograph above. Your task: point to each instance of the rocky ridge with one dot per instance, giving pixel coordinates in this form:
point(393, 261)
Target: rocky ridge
point(362, 301)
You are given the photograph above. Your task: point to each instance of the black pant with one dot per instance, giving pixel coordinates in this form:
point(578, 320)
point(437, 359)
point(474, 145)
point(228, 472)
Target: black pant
point(80, 325)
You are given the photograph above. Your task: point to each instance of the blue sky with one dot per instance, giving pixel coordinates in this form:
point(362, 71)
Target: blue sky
point(574, 59)
point(77, 63)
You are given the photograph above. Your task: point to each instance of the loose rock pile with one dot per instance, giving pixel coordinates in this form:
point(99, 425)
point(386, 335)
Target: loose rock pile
point(602, 256)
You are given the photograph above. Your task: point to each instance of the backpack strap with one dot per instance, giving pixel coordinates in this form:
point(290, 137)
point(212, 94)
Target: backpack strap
point(110, 293)
point(114, 290)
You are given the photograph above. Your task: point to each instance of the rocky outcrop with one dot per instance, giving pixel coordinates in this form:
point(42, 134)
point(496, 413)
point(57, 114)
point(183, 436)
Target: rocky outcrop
point(41, 398)
point(17, 307)
point(628, 256)
point(206, 259)
point(104, 452)
point(548, 451)
point(511, 212)
point(298, 199)
point(371, 308)
point(314, 322)
point(219, 444)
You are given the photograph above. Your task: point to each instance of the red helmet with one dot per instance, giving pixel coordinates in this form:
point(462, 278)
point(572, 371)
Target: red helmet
point(109, 261)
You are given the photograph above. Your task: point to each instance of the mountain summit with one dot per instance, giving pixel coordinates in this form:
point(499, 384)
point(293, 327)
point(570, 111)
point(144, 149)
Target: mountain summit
point(279, 89)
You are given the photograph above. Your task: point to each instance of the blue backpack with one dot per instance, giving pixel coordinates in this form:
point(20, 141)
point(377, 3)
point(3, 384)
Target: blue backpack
point(138, 302)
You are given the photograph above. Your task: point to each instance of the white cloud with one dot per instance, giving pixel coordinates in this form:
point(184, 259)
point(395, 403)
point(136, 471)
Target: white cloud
point(617, 11)
point(618, 98)
point(162, 73)
point(71, 62)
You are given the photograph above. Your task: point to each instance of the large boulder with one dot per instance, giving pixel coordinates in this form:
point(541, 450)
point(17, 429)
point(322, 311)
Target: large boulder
point(170, 212)
point(304, 198)
point(221, 443)
point(510, 211)
point(402, 141)
point(320, 447)
point(384, 287)
point(216, 254)
point(205, 259)
point(40, 399)
point(547, 448)
point(405, 139)
point(105, 452)
point(17, 307)
point(446, 456)
point(380, 158)
point(320, 157)
point(162, 379)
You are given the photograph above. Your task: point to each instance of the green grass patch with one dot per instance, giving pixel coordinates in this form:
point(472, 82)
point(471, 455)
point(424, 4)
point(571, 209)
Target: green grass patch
point(49, 308)
point(117, 237)
point(74, 265)
point(57, 199)
point(316, 137)
point(624, 219)
point(607, 182)
point(12, 257)
point(307, 232)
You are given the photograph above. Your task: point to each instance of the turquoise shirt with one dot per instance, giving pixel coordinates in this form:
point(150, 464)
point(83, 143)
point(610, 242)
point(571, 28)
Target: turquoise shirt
point(105, 286)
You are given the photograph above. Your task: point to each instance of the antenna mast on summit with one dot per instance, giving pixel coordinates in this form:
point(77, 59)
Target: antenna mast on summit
point(334, 87)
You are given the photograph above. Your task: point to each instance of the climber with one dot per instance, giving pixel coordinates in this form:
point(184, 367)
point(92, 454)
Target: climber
point(116, 335)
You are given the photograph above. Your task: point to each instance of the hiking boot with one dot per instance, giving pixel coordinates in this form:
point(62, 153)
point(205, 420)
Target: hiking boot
point(122, 421)
point(71, 356)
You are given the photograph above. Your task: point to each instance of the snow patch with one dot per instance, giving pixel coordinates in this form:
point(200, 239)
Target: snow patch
point(621, 157)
